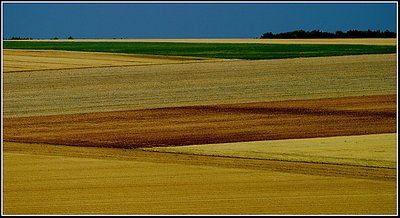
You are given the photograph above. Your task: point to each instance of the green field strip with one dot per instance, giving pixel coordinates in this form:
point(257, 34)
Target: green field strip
point(208, 50)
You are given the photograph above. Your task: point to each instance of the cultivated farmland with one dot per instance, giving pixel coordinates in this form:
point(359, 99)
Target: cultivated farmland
point(182, 133)
point(248, 51)
point(378, 150)
point(48, 179)
point(34, 60)
point(124, 88)
point(210, 124)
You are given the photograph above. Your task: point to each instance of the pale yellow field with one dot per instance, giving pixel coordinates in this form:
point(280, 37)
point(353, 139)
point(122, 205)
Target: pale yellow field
point(16, 60)
point(377, 150)
point(50, 179)
point(365, 41)
point(138, 87)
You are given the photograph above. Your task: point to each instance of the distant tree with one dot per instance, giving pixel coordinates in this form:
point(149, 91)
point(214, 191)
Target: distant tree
point(55, 38)
point(267, 35)
point(70, 37)
point(339, 34)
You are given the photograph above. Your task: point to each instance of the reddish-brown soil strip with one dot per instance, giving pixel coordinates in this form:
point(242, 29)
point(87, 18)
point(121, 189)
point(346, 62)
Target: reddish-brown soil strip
point(211, 124)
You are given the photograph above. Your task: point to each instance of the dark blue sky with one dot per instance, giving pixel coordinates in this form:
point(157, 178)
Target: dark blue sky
point(222, 20)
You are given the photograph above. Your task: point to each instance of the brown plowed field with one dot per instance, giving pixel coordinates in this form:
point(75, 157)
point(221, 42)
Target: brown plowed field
point(211, 124)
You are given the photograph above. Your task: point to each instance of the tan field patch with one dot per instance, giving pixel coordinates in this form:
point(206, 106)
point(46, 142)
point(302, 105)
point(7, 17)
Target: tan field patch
point(378, 150)
point(361, 41)
point(45, 179)
point(16, 60)
point(155, 86)
point(210, 124)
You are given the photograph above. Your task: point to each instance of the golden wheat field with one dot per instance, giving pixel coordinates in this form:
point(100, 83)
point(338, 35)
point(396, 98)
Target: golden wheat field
point(98, 133)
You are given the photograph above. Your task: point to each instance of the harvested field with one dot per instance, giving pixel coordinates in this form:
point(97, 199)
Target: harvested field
point(48, 179)
point(376, 150)
point(360, 41)
point(34, 60)
point(109, 113)
point(173, 85)
point(211, 124)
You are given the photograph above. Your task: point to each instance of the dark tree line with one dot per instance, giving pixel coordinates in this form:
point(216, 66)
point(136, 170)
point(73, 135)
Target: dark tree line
point(19, 38)
point(301, 34)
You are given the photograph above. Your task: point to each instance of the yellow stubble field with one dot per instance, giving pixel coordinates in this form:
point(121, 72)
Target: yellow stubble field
point(16, 60)
point(375, 150)
point(49, 179)
point(138, 87)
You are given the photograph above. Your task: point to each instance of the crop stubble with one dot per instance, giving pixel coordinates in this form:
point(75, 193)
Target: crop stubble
point(375, 150)
point(173, 85)
point(48, 179)
point(37, 60)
